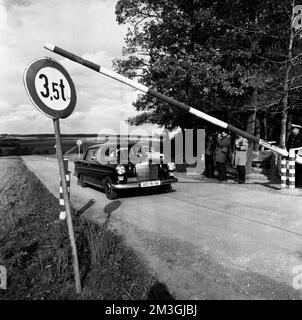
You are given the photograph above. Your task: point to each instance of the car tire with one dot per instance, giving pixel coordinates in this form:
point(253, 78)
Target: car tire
point(81, 181)
point(111, 194)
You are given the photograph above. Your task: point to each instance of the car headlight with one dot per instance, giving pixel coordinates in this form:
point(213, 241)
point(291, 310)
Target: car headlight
point(171, 166)
point(120, 169)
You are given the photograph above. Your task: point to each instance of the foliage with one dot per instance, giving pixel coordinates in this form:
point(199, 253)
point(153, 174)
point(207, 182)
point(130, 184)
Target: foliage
point(211, 55)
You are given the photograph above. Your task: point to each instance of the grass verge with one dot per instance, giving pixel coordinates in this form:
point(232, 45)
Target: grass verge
point(35, 249)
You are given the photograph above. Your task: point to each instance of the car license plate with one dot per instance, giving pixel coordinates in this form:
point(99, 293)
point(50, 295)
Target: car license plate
point(150, 183)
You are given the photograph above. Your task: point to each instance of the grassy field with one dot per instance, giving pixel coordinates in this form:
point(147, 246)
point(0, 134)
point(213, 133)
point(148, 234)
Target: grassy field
point(34, 247)
point(36, 145)
point(44, 143)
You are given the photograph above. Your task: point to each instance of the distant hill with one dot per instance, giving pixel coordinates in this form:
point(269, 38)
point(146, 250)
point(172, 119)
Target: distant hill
point(17, 144)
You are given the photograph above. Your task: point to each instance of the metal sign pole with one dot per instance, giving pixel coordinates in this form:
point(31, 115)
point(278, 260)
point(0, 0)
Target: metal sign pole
point(67, 206)
point(55, 103)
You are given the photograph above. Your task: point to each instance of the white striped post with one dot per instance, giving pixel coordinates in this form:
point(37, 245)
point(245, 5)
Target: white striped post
point(75, 260)
point(153, 93)
point(62, 202)
point(283, 172)
point(291, 169)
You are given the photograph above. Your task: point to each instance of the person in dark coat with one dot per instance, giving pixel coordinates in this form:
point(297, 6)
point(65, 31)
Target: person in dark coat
point(295, 137)
point(223, 142)
point(209, 157)
point(295, 141)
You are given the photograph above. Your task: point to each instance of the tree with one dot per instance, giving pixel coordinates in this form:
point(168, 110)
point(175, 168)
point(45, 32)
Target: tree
point(233, 66)
point(169, 48)
point(292, 66)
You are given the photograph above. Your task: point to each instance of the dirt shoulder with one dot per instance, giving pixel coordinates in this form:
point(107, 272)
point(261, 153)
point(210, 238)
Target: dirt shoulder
point(34, 247)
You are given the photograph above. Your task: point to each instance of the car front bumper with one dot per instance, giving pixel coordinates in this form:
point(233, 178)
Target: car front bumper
point(132, 185)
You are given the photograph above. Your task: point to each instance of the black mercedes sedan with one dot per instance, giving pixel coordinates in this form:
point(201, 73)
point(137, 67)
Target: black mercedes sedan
point(115, 167)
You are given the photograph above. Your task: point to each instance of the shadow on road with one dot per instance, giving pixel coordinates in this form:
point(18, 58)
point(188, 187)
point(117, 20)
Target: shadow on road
point(86, 206)
point(142, 192)
point(110, 207)
point(267, 185)
point(139, 192)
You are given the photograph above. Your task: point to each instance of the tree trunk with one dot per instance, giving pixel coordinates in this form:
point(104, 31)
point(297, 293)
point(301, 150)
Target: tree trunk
point(251, 125)
point(257, 133)
point(289, 124)
point(285, 85)
point(283, 124)
point(265, 136)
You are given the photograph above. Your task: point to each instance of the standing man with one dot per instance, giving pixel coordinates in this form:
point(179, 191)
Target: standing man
point(209, 156)
point(241, 146)
point(295, 138)
point(221, 154)
point(295, 141)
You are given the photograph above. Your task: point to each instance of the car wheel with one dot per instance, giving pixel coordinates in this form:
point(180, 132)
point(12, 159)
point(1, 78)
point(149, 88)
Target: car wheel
point(81, 181)
point(111, 194)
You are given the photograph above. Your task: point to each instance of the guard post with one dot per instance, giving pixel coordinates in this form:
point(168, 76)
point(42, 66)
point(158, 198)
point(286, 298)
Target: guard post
point(283, 172)
point(292, 169)
point(291, 166)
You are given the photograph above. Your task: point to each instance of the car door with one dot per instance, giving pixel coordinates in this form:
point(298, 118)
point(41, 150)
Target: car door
point(90, 166)
point(107, 162)
point(82, 165)
point(93, 167)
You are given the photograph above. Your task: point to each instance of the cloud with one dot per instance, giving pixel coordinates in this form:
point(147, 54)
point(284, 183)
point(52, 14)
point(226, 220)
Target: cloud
point(24, 116)
point(85, 27)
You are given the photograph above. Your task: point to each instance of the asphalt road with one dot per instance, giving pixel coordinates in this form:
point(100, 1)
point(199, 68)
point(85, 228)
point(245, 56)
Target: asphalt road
point(205, 240)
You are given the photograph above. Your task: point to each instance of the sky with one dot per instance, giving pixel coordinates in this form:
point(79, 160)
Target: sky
point(87, 28)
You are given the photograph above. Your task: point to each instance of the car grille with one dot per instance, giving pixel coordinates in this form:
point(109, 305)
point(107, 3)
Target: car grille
point(147, 172)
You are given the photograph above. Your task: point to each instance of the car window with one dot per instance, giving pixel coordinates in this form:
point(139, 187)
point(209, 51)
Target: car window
point(106, 154)
point(91, 154)
point(110, 152)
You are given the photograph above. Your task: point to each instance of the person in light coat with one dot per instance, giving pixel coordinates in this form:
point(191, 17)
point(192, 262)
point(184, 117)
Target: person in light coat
point(241, 147)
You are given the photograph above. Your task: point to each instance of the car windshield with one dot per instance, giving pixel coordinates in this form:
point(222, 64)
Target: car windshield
point(91, 154)
point(122, 154)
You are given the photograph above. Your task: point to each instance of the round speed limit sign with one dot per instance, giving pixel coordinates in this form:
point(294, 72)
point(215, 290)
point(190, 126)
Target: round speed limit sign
point(50, 88)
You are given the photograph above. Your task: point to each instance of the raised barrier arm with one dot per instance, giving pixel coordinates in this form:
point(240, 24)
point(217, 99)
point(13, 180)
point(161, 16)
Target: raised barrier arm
point(153, 93)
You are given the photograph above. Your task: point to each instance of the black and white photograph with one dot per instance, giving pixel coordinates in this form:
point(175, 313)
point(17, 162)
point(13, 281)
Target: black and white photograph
point(150, 150)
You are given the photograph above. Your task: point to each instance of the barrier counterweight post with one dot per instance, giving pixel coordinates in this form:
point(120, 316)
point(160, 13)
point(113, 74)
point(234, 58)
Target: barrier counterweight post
point(283, 172)
point(291, 169)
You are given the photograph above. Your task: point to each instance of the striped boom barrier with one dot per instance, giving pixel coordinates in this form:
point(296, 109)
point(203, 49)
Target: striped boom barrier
point(162, 97)
point(62, 203)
